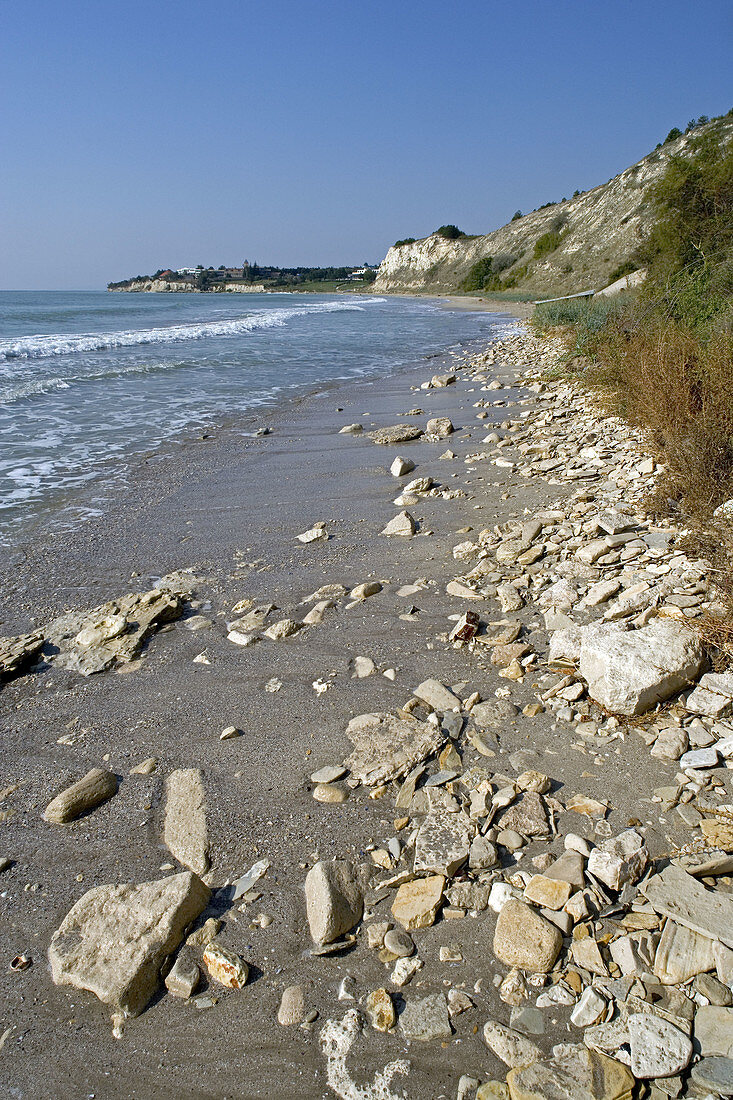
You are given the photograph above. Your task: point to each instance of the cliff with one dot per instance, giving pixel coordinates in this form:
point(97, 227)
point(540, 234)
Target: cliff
point(598, 231)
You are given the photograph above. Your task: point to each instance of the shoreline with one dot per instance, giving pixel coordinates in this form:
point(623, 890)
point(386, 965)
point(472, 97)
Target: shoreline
point(233, 516)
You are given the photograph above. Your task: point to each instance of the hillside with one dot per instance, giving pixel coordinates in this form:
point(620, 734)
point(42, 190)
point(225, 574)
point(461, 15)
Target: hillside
point(598, 231)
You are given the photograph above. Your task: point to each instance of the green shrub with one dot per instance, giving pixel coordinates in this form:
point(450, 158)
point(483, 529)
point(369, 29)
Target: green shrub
point(450, 232)
point(516, 215)
point(405, 240)
point(623, 269)
point(673, 134)
point(547, 243)
point(480, 271)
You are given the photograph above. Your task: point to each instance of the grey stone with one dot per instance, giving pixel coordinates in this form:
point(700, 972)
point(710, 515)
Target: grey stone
point(184, 826)
point(569, 867)
point(440, 427)
point(115, 939)
point(328, 774)
point(334, 900)
point(184, 976)
point(681, 954)
point(699, 758)
point(443, 842)
point(437, 695)
point(18, 652)
point(492, 714)
point(426, 1019)
point(527, 1019)
point(629, 672)
point(658, 1048)
point(527, 816)
point(714, 1030)
point(399, 943)
point(292, 1006)
point(713, 990)
point(482, 854)
point(714, 1073)
point(403, 525)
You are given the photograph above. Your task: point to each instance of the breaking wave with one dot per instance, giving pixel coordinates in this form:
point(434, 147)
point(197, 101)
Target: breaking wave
point(43, 347)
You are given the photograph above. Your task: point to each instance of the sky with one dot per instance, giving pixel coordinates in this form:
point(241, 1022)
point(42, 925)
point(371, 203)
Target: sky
point(170, 133)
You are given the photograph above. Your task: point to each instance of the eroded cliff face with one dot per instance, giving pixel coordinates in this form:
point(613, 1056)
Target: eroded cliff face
point(600, 229)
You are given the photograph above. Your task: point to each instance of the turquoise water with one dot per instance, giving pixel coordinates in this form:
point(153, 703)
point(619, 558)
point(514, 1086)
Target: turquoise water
point(89, 379)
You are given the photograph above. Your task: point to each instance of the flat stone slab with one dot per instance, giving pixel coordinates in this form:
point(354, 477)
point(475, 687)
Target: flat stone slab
point(675, 894)
point(443, 842)
point(115, 939)
point(713, 696)
point(398, 433)
point(386, 747)
point(437, 695)
point(574, 1073)
point(714, 1073)
point(658, 1048)
point(184, 825)
point(426, 1019)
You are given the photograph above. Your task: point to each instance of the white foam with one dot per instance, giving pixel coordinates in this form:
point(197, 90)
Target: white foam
point(42, 347)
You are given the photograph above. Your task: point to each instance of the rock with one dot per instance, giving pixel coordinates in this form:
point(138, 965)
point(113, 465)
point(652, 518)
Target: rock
point(510, 839)
point(572, 1073)
point(713, 990)
point(333, 793)
point(380, 1011)
point(416, 903)
point(426, 1019)
point(465, 628)
point(363, 667)
point(482, 854)
point(509, 598)
point(440, 427)
point(283, 629)
point(547, 892)
point(714, 1030)
point(97, 786)
point(292, 1006)
point(419, 485)
point(202, 936)
point(586, 953)
point(401, 466)
point(399, 943)
point(225, 966)
point(510, 1046)
point(443, 842)
point(565, 646)
point(675, 894)
point(184, 825)
point(183, 977)
point(363, 591)
point(386, 747)
point(493, 1090)
point(402, 525)
point(629, 672)
point(658, 1048)
point(316, 533)
point(493, 714)
point(568, 868)
point(437, 695)
point(17, 653)
point(229, 733)
point(404, 971)
point(620, 859)
point(713, 696)
point(527, 816)
point(699, 758)
point(333, 900)
point(328, 774)
point(146, 767)
point(351, 429)
point(525, 939)
point(714, 1074)
point(681, 954)
point(115, 939)
point(462, 591)
point(398, 433)
point(670, 744)
point(590, 1008)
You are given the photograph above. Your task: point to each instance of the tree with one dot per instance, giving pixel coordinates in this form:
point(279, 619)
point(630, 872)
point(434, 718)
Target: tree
point(516, 215)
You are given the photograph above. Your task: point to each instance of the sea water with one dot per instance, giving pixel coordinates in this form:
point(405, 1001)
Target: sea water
point(89, 379)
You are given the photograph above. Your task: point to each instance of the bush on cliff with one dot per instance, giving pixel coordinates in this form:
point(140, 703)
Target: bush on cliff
point(450, 232)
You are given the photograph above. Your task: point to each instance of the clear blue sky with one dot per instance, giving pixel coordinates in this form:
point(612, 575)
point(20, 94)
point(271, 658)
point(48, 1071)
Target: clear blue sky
point(137, 135)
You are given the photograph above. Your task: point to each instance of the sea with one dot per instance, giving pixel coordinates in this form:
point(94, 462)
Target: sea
point(90, 379)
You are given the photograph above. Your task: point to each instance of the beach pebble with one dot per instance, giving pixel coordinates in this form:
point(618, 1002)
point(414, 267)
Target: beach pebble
point(230, 732)
point(97, 786)
point(330, 792)
point(363, 591)
point(399, 943)
point(292, 1006)
point(225, 966)
point(328, 774)
point(401, 466)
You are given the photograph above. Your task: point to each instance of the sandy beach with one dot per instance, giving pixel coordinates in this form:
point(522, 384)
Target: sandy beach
point(229, 510)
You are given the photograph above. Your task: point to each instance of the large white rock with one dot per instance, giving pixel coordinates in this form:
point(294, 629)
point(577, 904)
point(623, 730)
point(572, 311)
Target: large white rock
point(713, 696)
point(620, 859)
point(114, 941)
point(443, 842)
point(658, 1048)
point(629, 672)
point(333, 899)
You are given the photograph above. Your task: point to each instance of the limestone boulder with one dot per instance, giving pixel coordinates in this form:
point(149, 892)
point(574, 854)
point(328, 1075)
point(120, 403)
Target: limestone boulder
point(387, 747)
point(629, 672)
point(525, 939)
point(115, 939)
point(334, 900)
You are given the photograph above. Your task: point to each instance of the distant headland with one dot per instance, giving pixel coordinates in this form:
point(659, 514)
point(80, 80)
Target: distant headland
point(250, 278)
